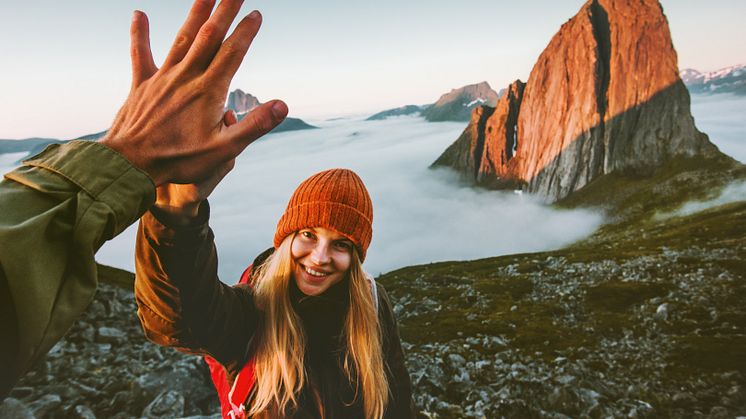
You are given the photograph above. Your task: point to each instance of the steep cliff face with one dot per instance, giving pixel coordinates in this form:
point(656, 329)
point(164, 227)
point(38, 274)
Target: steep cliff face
point(604, 96)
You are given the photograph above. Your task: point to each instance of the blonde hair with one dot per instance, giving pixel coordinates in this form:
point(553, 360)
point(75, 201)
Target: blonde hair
point(280, 351)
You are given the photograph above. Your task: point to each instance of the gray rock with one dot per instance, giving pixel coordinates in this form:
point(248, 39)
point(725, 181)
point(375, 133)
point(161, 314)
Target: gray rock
point(661, 313)
point(14, 409)
point(719, 412)
point(110, 335)
point(45, 405)
point(83, 412)
point(168, 404)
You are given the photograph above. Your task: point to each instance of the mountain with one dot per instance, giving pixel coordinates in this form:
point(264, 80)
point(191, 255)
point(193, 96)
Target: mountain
point(726, 80)
point(242, 103)
point(400, 111)
point(604, 96)
point(457, 104)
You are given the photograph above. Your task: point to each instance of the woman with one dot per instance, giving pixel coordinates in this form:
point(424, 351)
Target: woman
point(314, 334)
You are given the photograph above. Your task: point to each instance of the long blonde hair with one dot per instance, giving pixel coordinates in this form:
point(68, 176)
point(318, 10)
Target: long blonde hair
point(280, 350)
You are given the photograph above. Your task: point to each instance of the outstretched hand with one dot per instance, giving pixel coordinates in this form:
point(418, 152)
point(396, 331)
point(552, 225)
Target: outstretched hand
point(172, 125)
point(181, 201)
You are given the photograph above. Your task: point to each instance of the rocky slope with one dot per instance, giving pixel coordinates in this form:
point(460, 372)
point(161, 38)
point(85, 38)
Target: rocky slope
point(458, 104)
point(242, 103)
point(604, 96)
point(643, 319)
point(726, 80)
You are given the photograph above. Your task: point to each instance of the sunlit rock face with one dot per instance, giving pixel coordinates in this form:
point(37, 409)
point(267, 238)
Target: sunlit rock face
point(604, 96)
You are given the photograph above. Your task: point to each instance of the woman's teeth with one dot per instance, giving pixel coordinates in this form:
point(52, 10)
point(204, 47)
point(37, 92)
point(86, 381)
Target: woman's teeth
point(315, 273)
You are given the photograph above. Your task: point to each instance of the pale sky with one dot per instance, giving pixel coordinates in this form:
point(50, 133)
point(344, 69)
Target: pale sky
point(65, 66)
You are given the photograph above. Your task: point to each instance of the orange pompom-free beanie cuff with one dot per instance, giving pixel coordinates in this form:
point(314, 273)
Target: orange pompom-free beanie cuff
point(335, 199)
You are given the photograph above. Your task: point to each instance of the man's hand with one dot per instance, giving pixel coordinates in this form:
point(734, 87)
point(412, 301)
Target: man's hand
point(180, 202)
point(172, 124)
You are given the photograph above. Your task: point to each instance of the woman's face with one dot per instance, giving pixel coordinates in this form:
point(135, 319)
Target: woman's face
point(321, 258)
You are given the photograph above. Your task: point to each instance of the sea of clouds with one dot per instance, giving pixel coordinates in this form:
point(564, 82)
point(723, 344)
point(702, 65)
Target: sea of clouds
point(420, 215)
point(723, 118)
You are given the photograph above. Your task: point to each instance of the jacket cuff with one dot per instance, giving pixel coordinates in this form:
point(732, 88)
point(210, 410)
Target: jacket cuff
point(157, 226)
point(102, 173)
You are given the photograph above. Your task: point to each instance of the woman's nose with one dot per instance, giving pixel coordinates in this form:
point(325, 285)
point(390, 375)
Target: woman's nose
point(320, 254)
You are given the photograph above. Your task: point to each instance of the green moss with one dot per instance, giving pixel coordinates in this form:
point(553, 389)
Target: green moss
point(708, 354)
point(618, 296)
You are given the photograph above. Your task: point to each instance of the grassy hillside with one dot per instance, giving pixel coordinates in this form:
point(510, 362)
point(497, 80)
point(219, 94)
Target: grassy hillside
point(644, 318)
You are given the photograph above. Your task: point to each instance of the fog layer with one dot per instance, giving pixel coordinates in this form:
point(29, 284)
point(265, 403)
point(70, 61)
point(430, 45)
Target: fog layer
point(723, 118)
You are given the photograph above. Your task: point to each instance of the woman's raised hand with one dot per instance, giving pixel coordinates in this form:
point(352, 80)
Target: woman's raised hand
point(172, 124)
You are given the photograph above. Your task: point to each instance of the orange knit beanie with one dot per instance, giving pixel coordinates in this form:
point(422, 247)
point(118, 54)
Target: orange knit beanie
point(335, 199)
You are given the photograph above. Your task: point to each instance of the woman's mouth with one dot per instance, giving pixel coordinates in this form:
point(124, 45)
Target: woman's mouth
point(314, 273)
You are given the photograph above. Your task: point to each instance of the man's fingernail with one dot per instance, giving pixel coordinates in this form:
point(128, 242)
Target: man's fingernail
point(279, 109)
point(255, 15)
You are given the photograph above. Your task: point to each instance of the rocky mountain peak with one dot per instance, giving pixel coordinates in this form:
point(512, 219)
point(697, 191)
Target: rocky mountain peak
point(241, 102)
point(604, 96)
point(457, 104)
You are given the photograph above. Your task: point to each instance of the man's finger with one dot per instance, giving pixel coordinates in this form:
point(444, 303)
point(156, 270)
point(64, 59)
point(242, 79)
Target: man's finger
point(258, 122)
point(198, 15)
point(229, 117)
point(231, 53)
point(211, 34)
point(143, 66)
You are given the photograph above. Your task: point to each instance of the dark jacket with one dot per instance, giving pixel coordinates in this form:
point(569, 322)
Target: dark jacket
point(182, 304)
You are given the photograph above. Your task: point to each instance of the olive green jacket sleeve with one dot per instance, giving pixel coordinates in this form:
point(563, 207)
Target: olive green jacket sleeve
point(56, 211)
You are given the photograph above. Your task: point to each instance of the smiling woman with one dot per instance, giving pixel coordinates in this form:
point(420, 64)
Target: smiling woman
point(307, 333)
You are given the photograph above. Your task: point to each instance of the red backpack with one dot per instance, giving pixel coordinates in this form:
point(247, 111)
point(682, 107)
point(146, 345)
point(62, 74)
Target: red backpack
point(233, 396)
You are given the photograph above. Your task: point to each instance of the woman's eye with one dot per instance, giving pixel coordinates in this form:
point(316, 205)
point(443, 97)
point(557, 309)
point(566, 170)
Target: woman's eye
point(343, 245)
point(307, 234)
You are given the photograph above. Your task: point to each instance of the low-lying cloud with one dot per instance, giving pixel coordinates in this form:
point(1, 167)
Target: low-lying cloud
point(723, 118)
point(420, 215)
point(734, 192)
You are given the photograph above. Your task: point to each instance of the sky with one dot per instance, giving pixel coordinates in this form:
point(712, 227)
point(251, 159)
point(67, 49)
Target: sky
point(65, 69)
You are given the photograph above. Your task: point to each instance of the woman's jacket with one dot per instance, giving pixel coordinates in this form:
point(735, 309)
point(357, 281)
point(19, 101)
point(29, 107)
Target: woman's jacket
point(182, 303)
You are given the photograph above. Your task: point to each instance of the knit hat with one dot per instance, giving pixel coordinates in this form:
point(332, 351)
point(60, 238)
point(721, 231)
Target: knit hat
point(335, 199)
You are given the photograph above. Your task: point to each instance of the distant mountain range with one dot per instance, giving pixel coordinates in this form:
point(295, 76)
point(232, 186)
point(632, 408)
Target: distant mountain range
point(727, 80)
point(455, 105)
point(241, 102)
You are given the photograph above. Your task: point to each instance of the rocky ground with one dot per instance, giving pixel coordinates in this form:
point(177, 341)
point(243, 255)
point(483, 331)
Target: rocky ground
point(640, 320)
point(105, 368)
